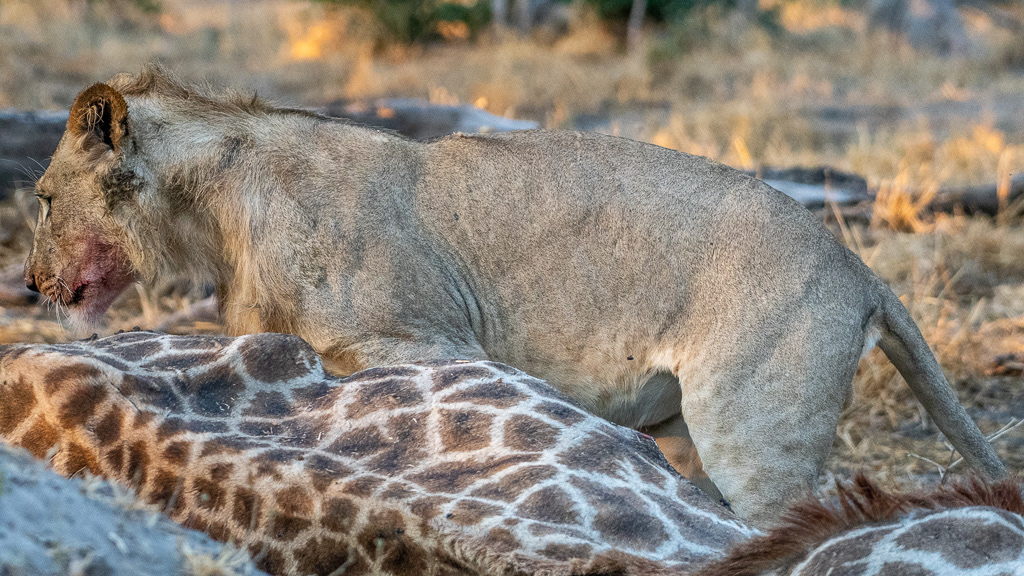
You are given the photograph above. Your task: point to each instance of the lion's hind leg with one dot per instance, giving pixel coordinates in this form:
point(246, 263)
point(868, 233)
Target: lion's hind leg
point(763, 418)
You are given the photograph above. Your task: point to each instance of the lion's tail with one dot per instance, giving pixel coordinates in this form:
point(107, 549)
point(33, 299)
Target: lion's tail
point(907, 349)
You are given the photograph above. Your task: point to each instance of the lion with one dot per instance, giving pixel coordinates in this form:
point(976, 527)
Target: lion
point(660, 290)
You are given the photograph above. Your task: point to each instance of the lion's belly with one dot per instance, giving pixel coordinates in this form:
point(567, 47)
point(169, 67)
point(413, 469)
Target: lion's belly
point(649, 402)
point(634, 396)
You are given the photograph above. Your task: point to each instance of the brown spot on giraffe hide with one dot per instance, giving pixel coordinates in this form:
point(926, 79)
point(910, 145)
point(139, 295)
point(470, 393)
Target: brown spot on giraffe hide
point(305, 431)
point(603, 452)
point(389, 394)
point(621, 516)
point(275, 358)
point(165, 485)
point(268, 461)
point(273, 561)
point(322, 556)
point(268, 405)
point(16, 402)
point(398, 492)
point(849, 551)
point(40, 438)
point(114, 459)
point(453, 375)
point(294, 500)
point(511, 485)
point(528, 434)
point(339, 515)
point(245, 506)
point(323, 471)
point(364, 486)
point(69, 376)
point(108, 430)
point(359, 442)
point(138, 463)
point(501, 540)
point(408, 441)
point(453, 477)
point(427, 507)
point(471, 512)
point(216, 391)
point(966, 543)
point(218, 531)
point(176, 453)
point(313, 396)
point(542, 389)
point(146, 347)
point(170, 428)
point(550, 504)
point(691, 527)
point(560, 412)
point(464, 430)
point(209, 494)
point(565, 552)
point(384, 539)
point(495, 394)
point(81, 405)
point(77, 459)
point(142, 419)
point(286, 527)
point(152, 391)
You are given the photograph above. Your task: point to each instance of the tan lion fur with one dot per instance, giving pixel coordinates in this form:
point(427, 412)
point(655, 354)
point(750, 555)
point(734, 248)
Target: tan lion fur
point(660, 290)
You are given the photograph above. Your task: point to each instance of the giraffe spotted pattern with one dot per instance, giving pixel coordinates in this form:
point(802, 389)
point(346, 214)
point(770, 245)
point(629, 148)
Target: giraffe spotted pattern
point(974, 528)
point(973, 541)
point(446, 468)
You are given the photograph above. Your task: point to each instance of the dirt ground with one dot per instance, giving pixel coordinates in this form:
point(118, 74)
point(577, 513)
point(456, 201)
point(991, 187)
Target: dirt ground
point(822, 91)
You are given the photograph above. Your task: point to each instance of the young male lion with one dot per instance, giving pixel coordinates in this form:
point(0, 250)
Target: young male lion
point(660, 290)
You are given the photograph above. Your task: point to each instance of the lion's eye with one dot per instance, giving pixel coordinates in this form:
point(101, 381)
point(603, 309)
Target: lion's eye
point(44, 204)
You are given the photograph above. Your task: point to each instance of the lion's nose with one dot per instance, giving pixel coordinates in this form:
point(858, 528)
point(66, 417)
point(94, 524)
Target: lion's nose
point(30, 281)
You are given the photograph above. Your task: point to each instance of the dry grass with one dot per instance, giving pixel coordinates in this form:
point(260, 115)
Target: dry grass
point(963, 282)
point(826, 91)
point(230, 561)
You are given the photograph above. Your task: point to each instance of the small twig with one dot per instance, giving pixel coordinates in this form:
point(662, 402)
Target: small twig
point(942, 470)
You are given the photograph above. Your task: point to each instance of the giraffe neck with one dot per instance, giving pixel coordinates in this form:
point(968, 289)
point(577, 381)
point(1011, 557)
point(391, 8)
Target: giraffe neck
point(472, 467)
point(965, 529)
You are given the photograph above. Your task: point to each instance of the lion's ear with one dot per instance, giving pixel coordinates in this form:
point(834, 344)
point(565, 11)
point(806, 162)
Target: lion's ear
point(100, 114)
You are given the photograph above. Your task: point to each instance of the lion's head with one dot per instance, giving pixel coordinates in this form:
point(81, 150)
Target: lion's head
point(79, 257)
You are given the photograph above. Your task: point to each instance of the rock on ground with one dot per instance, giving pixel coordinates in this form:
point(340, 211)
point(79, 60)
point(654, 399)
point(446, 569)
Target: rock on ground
point(52, 526)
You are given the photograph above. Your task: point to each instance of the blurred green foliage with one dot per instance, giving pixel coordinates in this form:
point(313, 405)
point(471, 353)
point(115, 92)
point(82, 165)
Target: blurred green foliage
point(146, 6)
point(417, 20)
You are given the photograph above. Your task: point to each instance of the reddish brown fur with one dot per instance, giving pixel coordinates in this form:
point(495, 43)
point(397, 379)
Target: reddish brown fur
point(810, 522)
